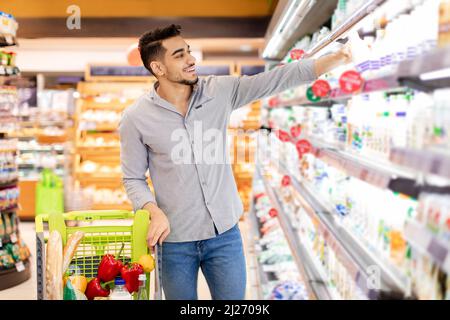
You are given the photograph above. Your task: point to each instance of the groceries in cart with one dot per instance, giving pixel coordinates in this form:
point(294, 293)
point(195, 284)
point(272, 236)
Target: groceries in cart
point(116, 277)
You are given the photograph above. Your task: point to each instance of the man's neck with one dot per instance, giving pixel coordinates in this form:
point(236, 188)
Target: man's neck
point(175, 93)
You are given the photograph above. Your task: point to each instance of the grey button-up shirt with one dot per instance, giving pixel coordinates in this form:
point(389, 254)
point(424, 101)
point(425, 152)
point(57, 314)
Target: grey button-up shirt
point(187, 157)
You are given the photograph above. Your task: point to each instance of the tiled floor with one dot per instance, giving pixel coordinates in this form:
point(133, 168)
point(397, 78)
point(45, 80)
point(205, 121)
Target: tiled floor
point(27, 290)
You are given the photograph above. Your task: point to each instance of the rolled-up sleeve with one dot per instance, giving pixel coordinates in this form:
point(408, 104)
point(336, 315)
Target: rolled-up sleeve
point(246, 89)
point(134, 162)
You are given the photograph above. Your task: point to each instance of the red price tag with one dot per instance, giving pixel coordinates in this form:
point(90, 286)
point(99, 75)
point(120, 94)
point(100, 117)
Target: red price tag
point(303, 147)
point(297, 54)
point(286, 181)
point(296, 131)
point(321, 88)
point(351, 82)
point(259, 195)
point(273, 102)
point(273, 213)
point(283, 136)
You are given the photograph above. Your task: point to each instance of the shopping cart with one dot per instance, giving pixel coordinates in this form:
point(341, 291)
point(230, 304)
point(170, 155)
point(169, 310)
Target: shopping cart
point(105, 232)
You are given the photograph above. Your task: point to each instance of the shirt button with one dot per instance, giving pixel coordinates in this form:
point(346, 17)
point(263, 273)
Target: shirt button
point(207, 203)
point(204, 183)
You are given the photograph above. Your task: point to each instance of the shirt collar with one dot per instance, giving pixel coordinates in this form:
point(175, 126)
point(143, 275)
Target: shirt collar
point(199, 96)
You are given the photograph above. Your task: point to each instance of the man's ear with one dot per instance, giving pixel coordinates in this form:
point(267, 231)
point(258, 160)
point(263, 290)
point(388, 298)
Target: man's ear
point(157, 68)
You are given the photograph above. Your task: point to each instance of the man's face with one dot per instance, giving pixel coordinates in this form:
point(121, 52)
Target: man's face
point(178, 62)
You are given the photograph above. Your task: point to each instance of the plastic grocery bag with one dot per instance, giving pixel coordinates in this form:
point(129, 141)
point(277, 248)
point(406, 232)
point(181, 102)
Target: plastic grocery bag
point(69, 291)
point(49, 193)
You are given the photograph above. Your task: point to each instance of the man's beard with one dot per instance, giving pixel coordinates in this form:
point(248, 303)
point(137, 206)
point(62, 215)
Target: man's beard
point(188, 82)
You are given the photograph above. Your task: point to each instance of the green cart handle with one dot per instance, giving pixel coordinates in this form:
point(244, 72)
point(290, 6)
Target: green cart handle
point(86, 216)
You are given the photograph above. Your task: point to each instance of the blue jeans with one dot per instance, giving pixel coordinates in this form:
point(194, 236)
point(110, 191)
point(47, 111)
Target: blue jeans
point(222, 262)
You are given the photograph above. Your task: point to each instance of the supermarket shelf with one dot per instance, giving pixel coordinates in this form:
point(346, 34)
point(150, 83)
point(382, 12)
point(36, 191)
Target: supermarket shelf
point(314, 282)
point(10, 278)
point(97, 150)
point(114, 105)
point(408, 75)
point(99, 127)
point(106, 206)
point(7, 40)
point(9, 184)
point(92, 178)
point(427, 243)
point(377, 172)
point(430, 161)
point(365, 9)
point(9, 71)
point(10, 209)
point(59, 150)
point(393, 282)
point(386, 83)
point(255, 235)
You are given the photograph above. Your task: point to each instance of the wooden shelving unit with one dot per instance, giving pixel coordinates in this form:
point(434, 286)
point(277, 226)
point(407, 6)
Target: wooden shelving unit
point(99, 143)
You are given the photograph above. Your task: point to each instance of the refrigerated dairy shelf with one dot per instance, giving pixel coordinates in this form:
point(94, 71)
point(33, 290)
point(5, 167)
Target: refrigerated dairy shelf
point(414, 74)
point(256, 234)
point(385, 174)
point(431, 161)
point(393, 282)
point(345, 26)
point(315, 284)
point(426, 242)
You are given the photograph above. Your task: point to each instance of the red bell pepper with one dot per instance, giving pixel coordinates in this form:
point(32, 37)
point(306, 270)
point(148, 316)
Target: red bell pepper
point(130, 273)
point(109, 268)
point(95, 289)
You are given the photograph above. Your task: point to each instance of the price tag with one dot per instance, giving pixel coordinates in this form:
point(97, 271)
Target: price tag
point(321, 88)
point(351, 82)
point(303, 147)
point(13, 238)
point(273, 213)
point(20, 266)
point(273, 102)
point(296, 131)
point(283, 135)
point(311, 96)
point(297, 54)
point(286, 181)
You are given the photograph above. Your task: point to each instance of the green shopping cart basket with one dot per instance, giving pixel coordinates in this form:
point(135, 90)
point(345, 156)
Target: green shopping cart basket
point(105, 232)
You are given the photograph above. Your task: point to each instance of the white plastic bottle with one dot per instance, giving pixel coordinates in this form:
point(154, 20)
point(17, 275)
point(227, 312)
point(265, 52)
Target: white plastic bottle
point(120, 292)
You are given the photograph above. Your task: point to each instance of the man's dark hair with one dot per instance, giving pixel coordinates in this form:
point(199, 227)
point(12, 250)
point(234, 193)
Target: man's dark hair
point(150, 43)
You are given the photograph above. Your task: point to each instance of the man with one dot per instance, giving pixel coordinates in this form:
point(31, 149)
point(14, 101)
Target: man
point(196, 207)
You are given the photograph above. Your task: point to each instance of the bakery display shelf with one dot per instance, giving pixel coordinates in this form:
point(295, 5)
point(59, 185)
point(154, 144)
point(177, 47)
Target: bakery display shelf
point(315, 284)
point(112, 206)
point(394, 283)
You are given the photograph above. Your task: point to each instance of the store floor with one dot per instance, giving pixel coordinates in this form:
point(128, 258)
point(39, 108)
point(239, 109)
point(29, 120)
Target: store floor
point(27, 290)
